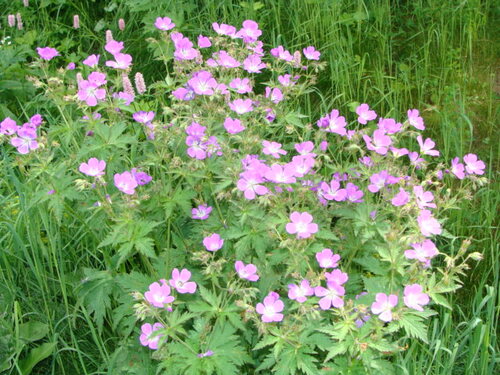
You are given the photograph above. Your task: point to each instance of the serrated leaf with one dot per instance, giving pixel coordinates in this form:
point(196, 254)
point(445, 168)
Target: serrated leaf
point(414, 326)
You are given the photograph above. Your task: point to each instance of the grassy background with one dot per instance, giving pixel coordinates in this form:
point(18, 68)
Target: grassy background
point(440, 56)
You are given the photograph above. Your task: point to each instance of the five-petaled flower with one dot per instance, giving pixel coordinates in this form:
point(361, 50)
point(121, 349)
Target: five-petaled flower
point(271, 308)
point(301, 224)
point(383, 306)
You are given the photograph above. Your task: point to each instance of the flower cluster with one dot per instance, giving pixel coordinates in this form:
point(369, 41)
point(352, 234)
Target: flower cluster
point(24, 137)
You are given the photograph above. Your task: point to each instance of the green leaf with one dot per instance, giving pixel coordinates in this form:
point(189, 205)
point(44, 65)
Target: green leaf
point(414, 326)
point(33, 331)
point(35, 356)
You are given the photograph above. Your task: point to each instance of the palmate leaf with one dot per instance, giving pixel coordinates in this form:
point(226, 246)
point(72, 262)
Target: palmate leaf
point(414, 326)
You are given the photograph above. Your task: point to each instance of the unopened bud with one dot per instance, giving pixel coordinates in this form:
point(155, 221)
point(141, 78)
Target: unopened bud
point(121, 24)
point(476, 256)
point(19, 21)
point(79, 77)
point(76, 21)
point(11, 19)
point(109, 36)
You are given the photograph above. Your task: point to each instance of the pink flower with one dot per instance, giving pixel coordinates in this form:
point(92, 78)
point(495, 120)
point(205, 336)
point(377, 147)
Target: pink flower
point(226, 60)
point(203, 83)
point(401, 198)
point(246, 271)
point(273, 148)
point(457, 168)
point(333, 123)
point(159, 295)
point(422, 252)
point(25, 140)
point(242, 86)
point(113, 47)
point(305, 148)
point(125, 182)
point(331, 295)
point(287, 80)
point(380, 142)
point(71, 66)
point(301, 224)
point(164, 23)
point(284, 174)
point(365, 114)
point(143, 117)
point(302, 164)
point(94, 167)
point(327, 259)
point(383, 306)
point(299, 292)
point(180, 281)
point(204, 42)
point(354, 193)
point(275, 95)
point(8, 126)
point(414, 298)
point(398, 152)
point(473, 165)
point(253, 64)
point(233, 126)
point(224, 29)
point(423, 197)
point(92, 60)
point(148, 337)
point(332, 191)
point(201, 212)
point(213, 242)
point(122, 61)
point(281, 53)
point(184, 50)
point(415, 120)
point(271, 308)
point(389, 125)
point(311, 54)
point(249, 183)
point(378, 181)
point(428, 225)
point(426, 147)
point(142, 178)
point(241, 106)
point(47, 53)
point(249, 32)
point(337, 276)
point(415, 159)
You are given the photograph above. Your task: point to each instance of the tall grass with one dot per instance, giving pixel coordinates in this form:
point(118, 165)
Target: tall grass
point(437, 55)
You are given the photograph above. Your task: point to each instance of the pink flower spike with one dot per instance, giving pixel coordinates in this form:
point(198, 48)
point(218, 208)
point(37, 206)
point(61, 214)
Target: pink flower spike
point(47, 53)
point(332, 295)
point(473, 165)
point(159, 295)
point(300, 292)
point(327, 259)
point(414, 298)
point(94, 167)
point(301, 224)
point(365, 114)
point(180, 281)
point(164, 23)
point(383, 306)
point(201, 212)
point(125, 182)
point(271, 308)
point(428, 224)
point(213, 242)
point(148, 337)
point(246, 271)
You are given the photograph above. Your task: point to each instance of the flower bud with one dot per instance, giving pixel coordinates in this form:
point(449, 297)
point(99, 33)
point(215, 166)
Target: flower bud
point(26, 3)
point(109, 36)
point(127, 85)
point(11, 19)
point(121, 24)
point(19, 21)
point(76, 21)
point(140, 85)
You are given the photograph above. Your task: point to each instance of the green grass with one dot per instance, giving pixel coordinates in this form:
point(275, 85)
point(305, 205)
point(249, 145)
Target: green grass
point(438, 56)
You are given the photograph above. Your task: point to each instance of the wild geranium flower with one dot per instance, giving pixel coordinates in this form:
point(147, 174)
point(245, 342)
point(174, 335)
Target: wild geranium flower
point(305, 148)
point(202, 212)
point(224, 29)
point(125, 182)
point(422, 252)
point(383, 306)
point(327, 259)
point(142, 178)
point(275, 95)
point(8, 126)
point(184, 93)
point(113, 47)
point(184, 49)
point(365, 114)
point(337, 276)
point(246, 271)
point(164, 23)
point(241, 106)
point(204, 42)
point(25, 140)
point(426, 147)
point(250, 184)
point(428, 224)
point(354, 193)
point(415, 159)
point(379, 143)
point(332, 191)
point(233, 126)
point(203, 83)
point(333, 123)
point(389, 125)
point(253, 64)
point(401, 198)
point(331, 295)
point(271, 308)
point(300, 292)
point(208, 353)
point(225, 60)
point(301, 225)
point(310, 53)
point(378, 181)
point(457, 168)
point(94, 167)
point(414, 298)
point(180, 281)
point(122, 61)
point(366, 161)
point(287, 80)
point(281, 174)
point(213, 242)
point(398, 152)
point(144, 117)
point(90, 93)
point(473, 165)
point(242, 86)
point(281, 53)
point(273, 148)
point(249, 32)
point(302, 164)
point(47, 53)
point(159, 295)
point(415, 120)
point(424, 198)
point(148, 337)
point(92, 60)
